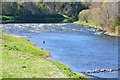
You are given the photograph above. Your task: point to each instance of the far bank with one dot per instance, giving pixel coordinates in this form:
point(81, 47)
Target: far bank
point(92, 24)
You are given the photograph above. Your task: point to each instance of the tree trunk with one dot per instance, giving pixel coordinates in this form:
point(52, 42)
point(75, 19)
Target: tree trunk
point(117, 30)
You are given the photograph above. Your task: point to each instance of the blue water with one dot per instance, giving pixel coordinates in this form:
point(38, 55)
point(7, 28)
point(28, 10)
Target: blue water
point(80, 50)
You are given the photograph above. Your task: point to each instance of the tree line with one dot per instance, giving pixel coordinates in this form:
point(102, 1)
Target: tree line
point(38, 10)
point(102, 14)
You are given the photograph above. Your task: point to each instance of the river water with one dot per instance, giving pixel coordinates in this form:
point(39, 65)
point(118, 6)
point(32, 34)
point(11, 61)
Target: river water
point(77, 46)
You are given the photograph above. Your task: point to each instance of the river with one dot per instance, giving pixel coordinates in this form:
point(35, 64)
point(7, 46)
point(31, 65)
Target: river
point(77, 46)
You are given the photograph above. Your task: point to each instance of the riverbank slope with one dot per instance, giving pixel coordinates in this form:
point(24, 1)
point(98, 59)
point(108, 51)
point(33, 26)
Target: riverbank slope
point(21, 59)
point(102, 15)
point(93, 25)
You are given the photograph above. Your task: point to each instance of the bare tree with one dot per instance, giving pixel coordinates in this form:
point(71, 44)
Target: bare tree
point(108, 12)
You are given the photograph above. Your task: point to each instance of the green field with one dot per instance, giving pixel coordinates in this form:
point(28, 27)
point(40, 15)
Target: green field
point(21, 59)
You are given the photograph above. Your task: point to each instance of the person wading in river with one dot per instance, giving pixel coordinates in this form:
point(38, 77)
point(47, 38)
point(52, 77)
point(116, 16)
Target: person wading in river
point(43, 42)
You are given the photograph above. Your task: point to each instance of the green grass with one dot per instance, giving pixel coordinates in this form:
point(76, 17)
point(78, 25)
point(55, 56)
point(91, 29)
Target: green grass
point(7, 17)
point(19, 61)
point(89, 23)
point(65, 16)
point(66, 20)
point(19, 44)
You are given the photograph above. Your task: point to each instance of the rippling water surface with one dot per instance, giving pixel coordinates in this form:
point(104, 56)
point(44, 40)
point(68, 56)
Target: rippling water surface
point(76, 46)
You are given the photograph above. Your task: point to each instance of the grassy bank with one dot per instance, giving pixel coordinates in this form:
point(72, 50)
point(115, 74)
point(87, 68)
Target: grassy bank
point(92, 24)
point(19, 44)
point(21, 59)
point(89, 23)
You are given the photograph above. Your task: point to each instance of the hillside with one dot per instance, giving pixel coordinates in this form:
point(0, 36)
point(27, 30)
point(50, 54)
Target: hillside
point(41, 11)
point(102, 15)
